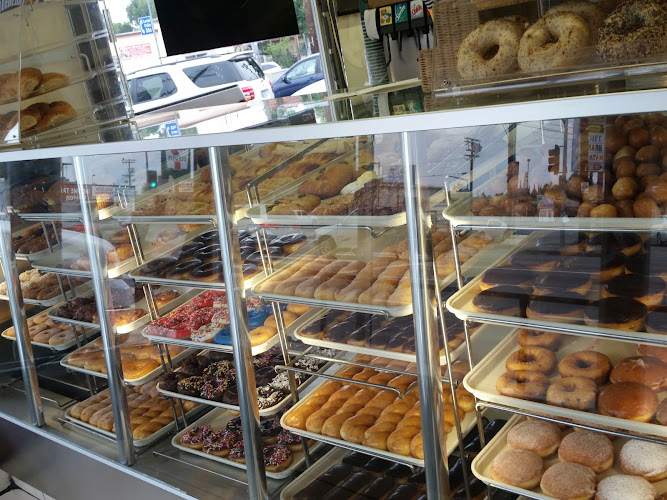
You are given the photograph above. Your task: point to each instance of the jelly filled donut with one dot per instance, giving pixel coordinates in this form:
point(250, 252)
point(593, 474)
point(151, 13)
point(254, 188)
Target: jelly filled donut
point(518, 467)
point(628, 400)
point(592, 449)
point(539, 436)
point(568, 480)
point(644, 370)
point(614, 487)
point(645, 459)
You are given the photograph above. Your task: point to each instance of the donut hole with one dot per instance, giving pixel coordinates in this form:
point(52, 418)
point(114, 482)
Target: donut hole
point(490, 52)
point(580, 363)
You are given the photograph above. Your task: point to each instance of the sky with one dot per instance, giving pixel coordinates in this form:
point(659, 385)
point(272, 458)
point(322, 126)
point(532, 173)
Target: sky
point(117, 10)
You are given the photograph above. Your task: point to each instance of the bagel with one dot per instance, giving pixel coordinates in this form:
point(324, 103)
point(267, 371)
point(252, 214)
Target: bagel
point(635, 30)
point(490, 50)
point(553, 42)
point(592, 14)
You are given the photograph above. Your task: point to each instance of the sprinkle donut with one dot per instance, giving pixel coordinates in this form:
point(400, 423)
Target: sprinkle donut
point(490, 50)
point(195, 437)
point(635, 30)
point(553, 42)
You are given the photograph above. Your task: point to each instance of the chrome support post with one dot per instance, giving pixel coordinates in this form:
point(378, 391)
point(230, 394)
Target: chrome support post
point(98, 267)
point(426, 328)
point(238, 320)
point(24, 347)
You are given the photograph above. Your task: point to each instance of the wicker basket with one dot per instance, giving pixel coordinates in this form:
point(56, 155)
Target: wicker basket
point(453, 21)
point(426, 70)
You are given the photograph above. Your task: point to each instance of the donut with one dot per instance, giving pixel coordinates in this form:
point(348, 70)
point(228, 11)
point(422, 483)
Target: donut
point(649, 290)
point(592, 14)
point(535, 338)
point(661, 413)
point(183, 269)
point(187, 250)
point(628, 244)
point(61, 337)
point(163, 298)
point(653, 351)
point(656, 321)
point(277, 458)
point(567, 307)
point(210, 271)
point(601, 265)
point(644, 370)
point(523, 385)
point(553, 42)
point(261, 335)
point(592, 449)
point(209, 237)
point(506, 275)
point(559, 281)
point(519, 468)
point(588, 364)
point(535, 259)
point(618, 313)
point(158, 266)
point(137, 368)
point(195, 437)
point(648, 265)
point(645, 459)
point(569, 481)
point(504, 300)
point(207, 254)
point(577, 393)
point(256, 257)
point(635, 30)
point(628, 400)
point(539, 436)
point(290, 243)
point(221, 443)
point(537, 359)
point(563, 242)
point(490, 50)
point(620, 486)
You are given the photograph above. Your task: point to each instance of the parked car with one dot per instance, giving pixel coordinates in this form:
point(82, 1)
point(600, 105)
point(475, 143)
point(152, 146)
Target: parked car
point(304, 72)
point(273, 71)
point(200, 82)
point(319, 87)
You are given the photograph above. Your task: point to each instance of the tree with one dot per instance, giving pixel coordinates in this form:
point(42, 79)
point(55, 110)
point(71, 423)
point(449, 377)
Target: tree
point(123, 28)
point(137, 9)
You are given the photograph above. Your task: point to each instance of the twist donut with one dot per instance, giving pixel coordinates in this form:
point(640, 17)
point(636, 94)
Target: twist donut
point(591, 13)
point(490, 50)
point(553, 42)
point(636, 29)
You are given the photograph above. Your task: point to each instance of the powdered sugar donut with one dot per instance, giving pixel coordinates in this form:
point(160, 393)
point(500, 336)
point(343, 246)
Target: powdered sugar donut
point(645, 459)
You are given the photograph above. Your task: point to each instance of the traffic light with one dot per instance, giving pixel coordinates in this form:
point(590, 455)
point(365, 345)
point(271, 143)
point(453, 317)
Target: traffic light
point(151, 178)
point(554, 160)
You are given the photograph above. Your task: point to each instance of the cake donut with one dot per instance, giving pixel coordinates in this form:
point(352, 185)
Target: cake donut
point(539, 436)
point(519, 468)
point(490, 50)
point(537, 359)
point(221, 443)
point(195, 437)
point(589, 364)
point(523, 385)
point(577, 393)
point(635, 30)
point(539, 52)
point(535, 338)
point(620, 486)
point(645, 459)
point(569, 481)
point(277, 458)
point(592, 449)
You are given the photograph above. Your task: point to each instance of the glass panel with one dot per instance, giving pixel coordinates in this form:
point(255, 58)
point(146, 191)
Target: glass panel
point(210, 75)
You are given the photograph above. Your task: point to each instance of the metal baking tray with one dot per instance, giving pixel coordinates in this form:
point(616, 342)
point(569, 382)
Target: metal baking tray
point(218, 420)
point(460, 303)
point(258, 349)
point(186, 294)
point(78, 291)
point(137, 381)
point(263, 411)
point(61, 347)
point(333, 457)
point(342, 346)
point(138, 443)
point(481, 465)
point(357, 248)
point(481, 381)
point(127, 214)
point(34, 255)
point(452, 442)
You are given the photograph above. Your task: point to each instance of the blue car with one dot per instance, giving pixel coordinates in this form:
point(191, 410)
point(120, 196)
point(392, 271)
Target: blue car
point(300, 74)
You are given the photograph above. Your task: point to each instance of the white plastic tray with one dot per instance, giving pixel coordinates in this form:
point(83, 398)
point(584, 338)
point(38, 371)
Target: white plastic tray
point(481, 465)
point(137, 381)
point(61, 347)
point(481, 381)
point(138, 443)
point(218, 420)
point(452, 442)
point(186, 294)
point(34, 255)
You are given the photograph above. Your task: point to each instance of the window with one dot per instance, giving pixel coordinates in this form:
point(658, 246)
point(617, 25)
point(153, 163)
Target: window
point(211, 75)
point(306, 68)
point(149, 88)
point(249, 69)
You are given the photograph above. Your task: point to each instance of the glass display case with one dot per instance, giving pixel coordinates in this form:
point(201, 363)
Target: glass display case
point(346, 308)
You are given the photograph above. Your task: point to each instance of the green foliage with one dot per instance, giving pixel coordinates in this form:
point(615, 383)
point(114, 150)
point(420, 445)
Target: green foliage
point(300, 15)
point(281, 51)
point(123, 28)
point(137, 9)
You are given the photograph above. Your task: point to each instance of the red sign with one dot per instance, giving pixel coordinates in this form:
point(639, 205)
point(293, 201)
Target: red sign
point(132, 51)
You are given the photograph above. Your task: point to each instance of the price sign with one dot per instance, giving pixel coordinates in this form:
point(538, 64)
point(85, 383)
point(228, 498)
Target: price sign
point(595, 148)
point(146, 25)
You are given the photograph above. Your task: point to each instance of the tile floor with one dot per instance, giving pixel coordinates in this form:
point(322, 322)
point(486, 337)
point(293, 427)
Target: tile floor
point(12, 488)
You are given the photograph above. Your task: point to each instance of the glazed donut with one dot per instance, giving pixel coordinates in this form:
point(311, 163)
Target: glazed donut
point(138, 368)
point(536, 359)
point(635, 30)
point(534, 338)
point(578, 393)
point(589, 364)
point(591, 13)
point(539, 436)
point(592, 449)
point(518, 467)
point(523, 385)
point(644, 370)
point(261, 334)
point(628, 400)
point(567, 480)
point(490, 50)
point(645, 459)
point(539, 52)
point(61, 337)
point(613, 487)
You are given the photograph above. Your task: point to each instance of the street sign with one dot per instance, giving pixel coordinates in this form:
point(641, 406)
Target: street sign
point(172, 129)
point(146, 25)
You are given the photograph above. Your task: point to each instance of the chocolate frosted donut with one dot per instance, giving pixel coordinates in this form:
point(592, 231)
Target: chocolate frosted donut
point(208, 254)
point(183, 268)
point(256, 257)
point(187, 250)
point(288, 239)
point(649, 290)
point(564, 306)
point(601, 265)
point(650, 264)
point(251, 241)
point(626, 243)
point(340, 331)
point(246, 252)
point(560, 280)
point(244, 234)
point(656, 321)
point(248, 270)
point(564, 242)
point(503, 299)
point(208, 270)
point(158, 266)
point(209, 237)
point(506, 275)
point(658, 240)
point(616, 312)
point(535, 259)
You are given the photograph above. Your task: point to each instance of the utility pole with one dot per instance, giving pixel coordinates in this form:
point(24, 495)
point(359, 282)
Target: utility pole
point(130, 169)
point(157, 43)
